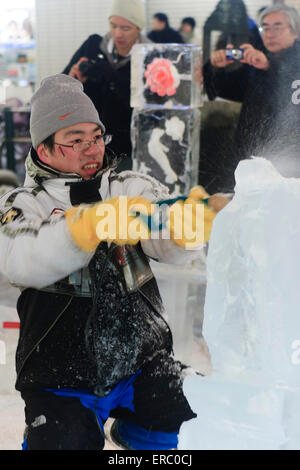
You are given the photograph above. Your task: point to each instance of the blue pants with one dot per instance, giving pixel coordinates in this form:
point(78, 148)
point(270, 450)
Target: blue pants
point(149, 408)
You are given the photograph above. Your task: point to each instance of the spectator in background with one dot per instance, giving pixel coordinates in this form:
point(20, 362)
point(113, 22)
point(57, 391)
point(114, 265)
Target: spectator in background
point(102, 64)
point(188, 32)
point(252, 37)
point(162, 32)
point(269, 121)
point(230, 17)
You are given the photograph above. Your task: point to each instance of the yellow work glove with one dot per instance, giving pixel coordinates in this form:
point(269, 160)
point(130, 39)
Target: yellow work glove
point(109, 221)
point(190, 221)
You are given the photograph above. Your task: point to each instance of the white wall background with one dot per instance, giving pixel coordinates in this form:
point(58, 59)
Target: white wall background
point(62, 25)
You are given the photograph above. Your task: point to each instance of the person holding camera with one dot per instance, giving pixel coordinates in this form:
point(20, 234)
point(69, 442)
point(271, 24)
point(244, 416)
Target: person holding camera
point(263, 84)
point(102, 64)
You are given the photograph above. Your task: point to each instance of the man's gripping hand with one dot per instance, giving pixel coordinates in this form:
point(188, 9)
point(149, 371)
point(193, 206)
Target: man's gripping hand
point(254, 57)
point(190, 222)
point(112, 221)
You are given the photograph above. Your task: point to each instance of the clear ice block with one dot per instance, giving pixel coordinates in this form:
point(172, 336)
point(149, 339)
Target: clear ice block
point(166, 146)
point(251, 319)
point(252, 316)
point(232, 415)
point(166, 76)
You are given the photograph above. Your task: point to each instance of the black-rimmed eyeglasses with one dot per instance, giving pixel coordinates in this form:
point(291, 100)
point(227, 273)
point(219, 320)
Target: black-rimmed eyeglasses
point(83, 145)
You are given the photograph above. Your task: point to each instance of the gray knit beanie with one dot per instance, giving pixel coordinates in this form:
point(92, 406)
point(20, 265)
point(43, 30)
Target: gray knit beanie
point(131, 10)
point(59, 102)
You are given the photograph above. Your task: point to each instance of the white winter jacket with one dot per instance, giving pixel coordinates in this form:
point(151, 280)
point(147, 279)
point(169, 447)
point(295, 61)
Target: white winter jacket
point(36, 247)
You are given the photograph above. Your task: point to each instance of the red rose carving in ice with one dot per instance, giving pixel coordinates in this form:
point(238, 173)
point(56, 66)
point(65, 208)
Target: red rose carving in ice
point(162, 77)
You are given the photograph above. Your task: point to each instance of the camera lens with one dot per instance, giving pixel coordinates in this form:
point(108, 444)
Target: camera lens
point(84, 67)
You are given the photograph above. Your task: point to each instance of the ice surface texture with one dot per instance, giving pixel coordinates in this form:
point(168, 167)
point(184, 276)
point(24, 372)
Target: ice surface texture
point(251, 318)
point(166, 75)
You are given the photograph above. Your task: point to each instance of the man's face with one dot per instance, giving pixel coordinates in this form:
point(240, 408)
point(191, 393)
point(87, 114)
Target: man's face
point(277, 34)
point(65, 159)
point(123, 32)
point(158, 25)
point(186, 28)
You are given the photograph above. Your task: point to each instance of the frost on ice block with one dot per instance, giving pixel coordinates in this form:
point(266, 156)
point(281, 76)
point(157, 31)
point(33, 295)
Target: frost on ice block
point(251, 318)
point(166, 75)
point(166, 146)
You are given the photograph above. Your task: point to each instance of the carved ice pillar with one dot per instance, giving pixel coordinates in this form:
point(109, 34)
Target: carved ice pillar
point(166, 81)
point(166, 96)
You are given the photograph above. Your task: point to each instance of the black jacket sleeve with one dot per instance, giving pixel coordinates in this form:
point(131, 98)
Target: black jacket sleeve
point(90, 49)
point(227, 83)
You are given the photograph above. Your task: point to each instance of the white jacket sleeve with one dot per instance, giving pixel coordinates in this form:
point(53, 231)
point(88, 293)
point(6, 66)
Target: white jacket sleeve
point(36, 250)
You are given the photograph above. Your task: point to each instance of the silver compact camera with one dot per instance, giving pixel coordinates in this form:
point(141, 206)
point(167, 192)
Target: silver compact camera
point(234, 54)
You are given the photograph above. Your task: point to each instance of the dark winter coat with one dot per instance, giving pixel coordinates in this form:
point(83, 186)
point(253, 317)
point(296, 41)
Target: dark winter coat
point(269, 122)
point(108, 86)
point(167, 35)
point(90, 342)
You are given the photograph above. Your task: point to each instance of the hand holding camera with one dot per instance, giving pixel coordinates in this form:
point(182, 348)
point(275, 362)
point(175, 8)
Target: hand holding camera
point(254, 57)
point(219, 59)
point(75, 71)
point(245, 54)
point(89, 69)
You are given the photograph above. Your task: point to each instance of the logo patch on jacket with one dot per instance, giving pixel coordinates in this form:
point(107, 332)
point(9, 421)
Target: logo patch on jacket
point(11, 215)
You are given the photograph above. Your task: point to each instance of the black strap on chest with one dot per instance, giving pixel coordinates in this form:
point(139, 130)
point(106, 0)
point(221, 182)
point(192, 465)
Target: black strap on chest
point(85, 192)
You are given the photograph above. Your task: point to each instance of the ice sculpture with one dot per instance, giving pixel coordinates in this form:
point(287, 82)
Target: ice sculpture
point(251, 319)
point(166, 81)
point(166, 97)
point(166, 75)
point(166, 146)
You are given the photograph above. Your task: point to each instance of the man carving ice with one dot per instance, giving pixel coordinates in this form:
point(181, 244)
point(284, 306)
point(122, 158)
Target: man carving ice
point(93, 340)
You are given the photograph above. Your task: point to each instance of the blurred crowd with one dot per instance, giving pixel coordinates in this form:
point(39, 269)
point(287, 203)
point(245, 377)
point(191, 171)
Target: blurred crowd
point(162, 32)
point(259, 83)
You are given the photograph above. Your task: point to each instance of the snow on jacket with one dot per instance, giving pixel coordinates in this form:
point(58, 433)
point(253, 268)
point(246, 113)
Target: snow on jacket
point(38, 254)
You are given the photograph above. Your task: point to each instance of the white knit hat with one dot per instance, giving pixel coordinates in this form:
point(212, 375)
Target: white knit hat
point(131, 10)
